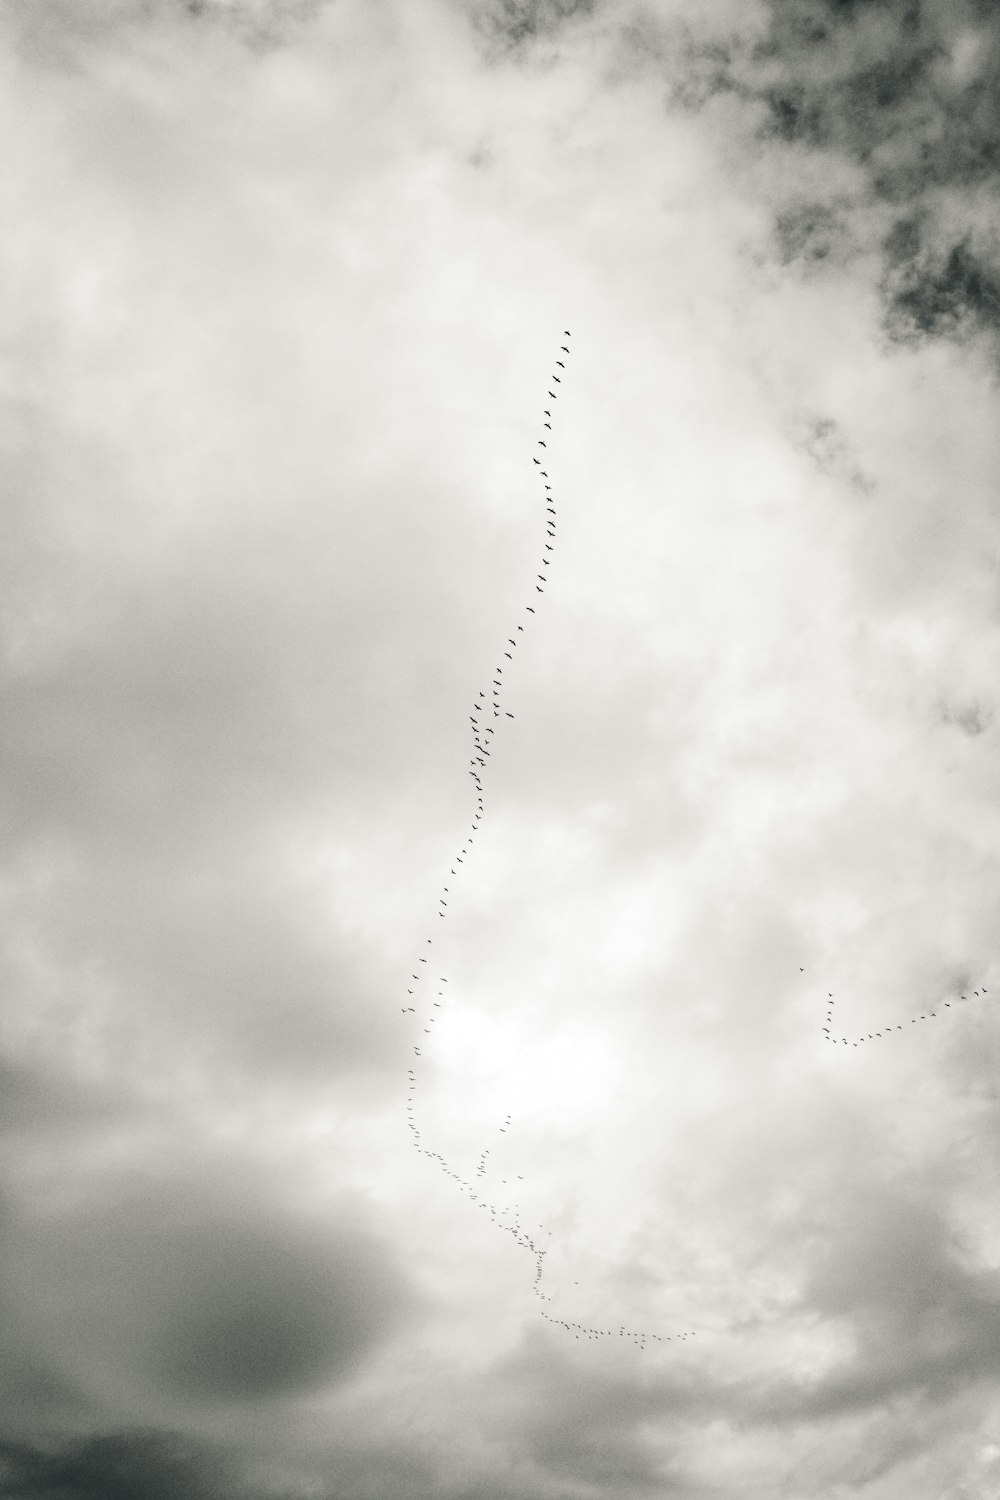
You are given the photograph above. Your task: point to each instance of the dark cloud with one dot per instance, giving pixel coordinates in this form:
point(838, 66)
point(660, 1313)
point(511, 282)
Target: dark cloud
point(131, 1465)
point(922, 1325)
point(592, 1425)
point(906, 96)
point(812, 232)
point(512, 23)
point(197, 1289)
point(953, 294)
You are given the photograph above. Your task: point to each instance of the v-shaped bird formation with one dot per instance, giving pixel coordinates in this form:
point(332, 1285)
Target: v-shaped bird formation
point(890, 1028)
point(486, 719)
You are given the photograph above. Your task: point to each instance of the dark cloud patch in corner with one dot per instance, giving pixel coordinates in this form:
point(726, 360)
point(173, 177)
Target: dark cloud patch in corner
point(902, 100)
point(133, 1465)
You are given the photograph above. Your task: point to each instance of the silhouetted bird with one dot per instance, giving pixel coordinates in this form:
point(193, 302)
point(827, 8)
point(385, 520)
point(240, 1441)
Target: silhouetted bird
point(560, 363)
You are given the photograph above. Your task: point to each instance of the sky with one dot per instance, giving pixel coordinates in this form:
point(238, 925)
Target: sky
point(500, 942)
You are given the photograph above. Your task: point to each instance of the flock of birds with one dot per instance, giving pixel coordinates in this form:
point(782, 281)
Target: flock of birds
point(888, 1028)
point(486, 708)
point(508, 1217)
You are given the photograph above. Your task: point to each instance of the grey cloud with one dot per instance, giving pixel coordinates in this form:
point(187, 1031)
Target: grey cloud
point(512, 23)
point(57, 33)
point(924, 1327)
point(944, 295)
point(587, 1425)
point(812, 232)
point(129, 1465)
point(908, 96)
point(193, 1289)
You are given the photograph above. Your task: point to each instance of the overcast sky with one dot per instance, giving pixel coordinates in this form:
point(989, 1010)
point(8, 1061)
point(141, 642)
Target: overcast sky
point(689, 1188)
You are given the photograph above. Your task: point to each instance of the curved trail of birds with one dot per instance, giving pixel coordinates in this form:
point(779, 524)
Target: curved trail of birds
point(486, 708)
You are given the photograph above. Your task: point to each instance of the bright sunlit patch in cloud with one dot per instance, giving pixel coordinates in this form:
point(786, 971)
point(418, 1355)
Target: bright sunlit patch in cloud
point(560, 1079)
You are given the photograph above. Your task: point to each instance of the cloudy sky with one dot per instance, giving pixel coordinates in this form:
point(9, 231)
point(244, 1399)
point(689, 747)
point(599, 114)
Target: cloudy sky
point(647, 1144)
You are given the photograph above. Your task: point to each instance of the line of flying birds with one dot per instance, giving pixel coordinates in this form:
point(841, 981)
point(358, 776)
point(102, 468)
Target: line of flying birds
point(508, 1218)
point(888, 1027)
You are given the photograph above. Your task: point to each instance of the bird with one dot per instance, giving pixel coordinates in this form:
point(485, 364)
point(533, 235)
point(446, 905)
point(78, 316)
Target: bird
point(548, 425)
point(541, 443)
